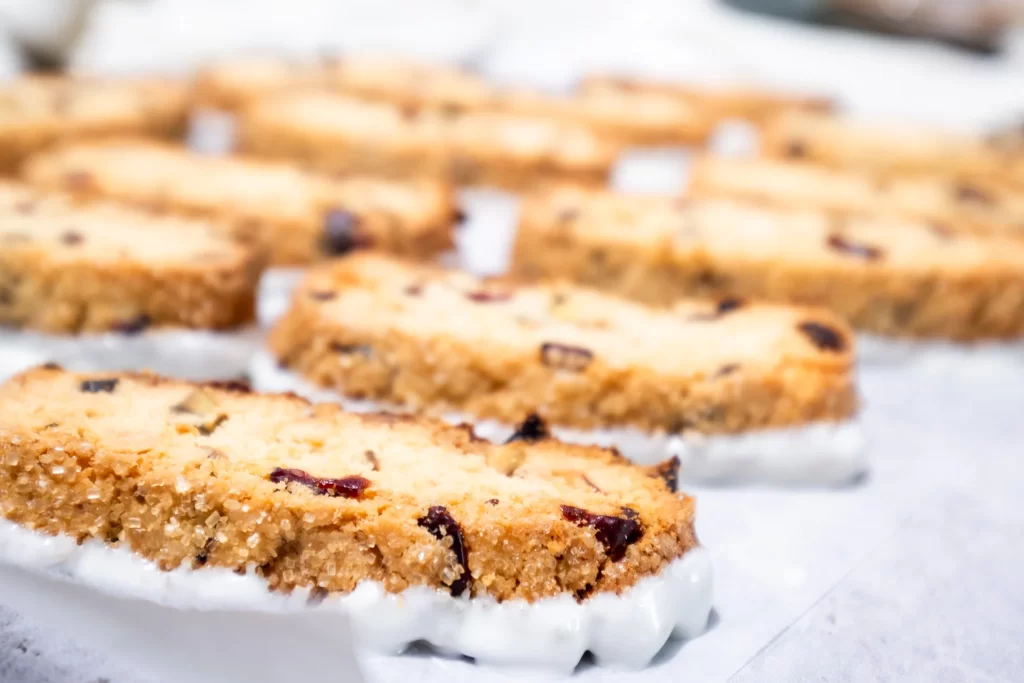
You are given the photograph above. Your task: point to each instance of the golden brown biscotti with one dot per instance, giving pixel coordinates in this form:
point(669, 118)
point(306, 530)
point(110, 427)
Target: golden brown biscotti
point(67, 268)
point(422, 337)
point(893, 148)
point(38, 111)
point(715, 103)
point(310, 496)
point(889, 276)
point(954, 205)
point(235, 84)
point(296, 216)
point(339, 134)
point(625, 116)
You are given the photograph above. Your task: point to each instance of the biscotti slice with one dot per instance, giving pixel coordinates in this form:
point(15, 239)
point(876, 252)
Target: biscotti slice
point(953, 205)
point(716, 103)
point(624, 116)
point(107, 285)
point(712, 383)
point(336, 133)
point(40, 111)
point(233, 85)
point(890, 276)
point(417, 529)
point(893, 148)
point(297, 216)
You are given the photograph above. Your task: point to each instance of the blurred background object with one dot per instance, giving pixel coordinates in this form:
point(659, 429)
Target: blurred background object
point(974, 24)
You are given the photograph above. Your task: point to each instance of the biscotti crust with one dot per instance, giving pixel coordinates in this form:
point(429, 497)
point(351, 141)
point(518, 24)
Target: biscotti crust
point(337, 134)
point(69, 269)
point(205, 476)
point(363, 326)
point(628, 117)
point(954, 205)
point(296, 216)
point(891, 277)
point(714, 103)
point(890, 149)
point(43, 111)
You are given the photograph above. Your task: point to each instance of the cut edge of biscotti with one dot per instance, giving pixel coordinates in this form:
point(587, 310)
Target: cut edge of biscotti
point(398, 518)
point(317, 216)
point(782, 412)
point(105, 267)
point(891, 276)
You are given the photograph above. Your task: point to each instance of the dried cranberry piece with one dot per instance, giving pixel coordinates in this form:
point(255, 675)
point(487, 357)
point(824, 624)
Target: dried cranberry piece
point(241, 386)
point(721, 308)
point(345, 487)
point(615, 533)
point(941, 230)
point(823, 336)
point(726, 370)
point(669, 473)
point(95, 386)
point(77, 180)
point(371, 458)
point(864, 251)
point(568, 215)
point(341, 233)
point(796, 150)
point(362, 349)
point(439, 522)
point(726, 305)
point(531, 429)
point(72, 238)
point(492, 501)
point(966, 192)
point(133, 325)
point(565, 357)
point(484, 297)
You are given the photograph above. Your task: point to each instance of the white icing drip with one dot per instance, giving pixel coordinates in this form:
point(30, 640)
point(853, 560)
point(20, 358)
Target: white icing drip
point(824, 453)
point(624, 631)
point(185, 353)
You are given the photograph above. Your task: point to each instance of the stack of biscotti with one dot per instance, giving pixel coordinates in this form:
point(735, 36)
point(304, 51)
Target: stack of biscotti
point(297, 216)
point(738, 391)
point(895, 149)
point(949, 204)
point(412, 527)
point(104, 284)
point(340, 134)
point(40, 111)
point(637, 117)
point(892, 276)
point(716, 103)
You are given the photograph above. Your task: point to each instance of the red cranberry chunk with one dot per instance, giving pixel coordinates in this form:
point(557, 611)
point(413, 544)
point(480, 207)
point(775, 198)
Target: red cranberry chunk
point(345, 487)
point(341, 233)
point(132, 325)
point(565, 357)
point(862, 251)
point(969, 193)
point(614, 533)
point(95, 386)
point(439, 522)
point(484, 297)
point(531, 429)
point(823, 336)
